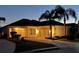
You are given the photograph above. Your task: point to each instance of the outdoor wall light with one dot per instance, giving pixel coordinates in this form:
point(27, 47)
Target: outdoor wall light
point(37, 31)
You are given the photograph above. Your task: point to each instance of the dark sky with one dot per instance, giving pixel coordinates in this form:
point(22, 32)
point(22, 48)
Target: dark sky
point(13, 13)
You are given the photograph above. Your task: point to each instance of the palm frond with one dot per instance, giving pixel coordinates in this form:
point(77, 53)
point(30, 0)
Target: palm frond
point(53, 12)
point(72, 13)
point(2, 19)
point(66, 15)
point(45, 15)
point(59, 9)
point(60, 12)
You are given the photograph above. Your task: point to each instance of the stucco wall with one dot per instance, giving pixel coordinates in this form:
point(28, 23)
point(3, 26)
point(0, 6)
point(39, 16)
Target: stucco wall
point(59, 31)
point(39, 32)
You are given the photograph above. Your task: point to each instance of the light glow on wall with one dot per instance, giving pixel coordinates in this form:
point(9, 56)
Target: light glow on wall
point(49, 31)
point(52, 32)
point(10, 29)
point(9, 32)
point(16, 29)
point(37, 31)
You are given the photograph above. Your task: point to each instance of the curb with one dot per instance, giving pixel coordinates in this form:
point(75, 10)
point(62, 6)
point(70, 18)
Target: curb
point(42, 49)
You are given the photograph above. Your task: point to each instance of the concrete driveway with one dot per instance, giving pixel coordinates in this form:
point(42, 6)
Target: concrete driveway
point(65, 46)
point(7, 46)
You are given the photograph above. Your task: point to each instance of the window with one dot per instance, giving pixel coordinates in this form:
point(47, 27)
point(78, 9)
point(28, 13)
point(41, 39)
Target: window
point(32, 31)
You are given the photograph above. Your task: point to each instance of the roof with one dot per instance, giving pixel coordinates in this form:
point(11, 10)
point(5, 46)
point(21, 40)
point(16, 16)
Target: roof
point(27, 22)
point(51, 22)
point(71, 24)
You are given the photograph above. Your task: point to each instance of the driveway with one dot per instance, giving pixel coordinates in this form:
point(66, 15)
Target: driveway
point(7, 46)
point(65, 46)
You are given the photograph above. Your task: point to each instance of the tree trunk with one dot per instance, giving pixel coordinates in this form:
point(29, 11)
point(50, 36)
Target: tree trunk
point(65, 26)
point(50, 29)
point(54, 30)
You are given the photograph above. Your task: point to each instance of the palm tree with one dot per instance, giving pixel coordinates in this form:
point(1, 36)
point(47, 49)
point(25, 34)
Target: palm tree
point(60, 12)
point(72, 13)
point(47, 15)
point(50, 16)
point(54, 17)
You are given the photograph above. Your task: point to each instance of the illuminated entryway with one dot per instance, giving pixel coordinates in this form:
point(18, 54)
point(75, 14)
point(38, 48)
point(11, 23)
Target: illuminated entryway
point(19, 30)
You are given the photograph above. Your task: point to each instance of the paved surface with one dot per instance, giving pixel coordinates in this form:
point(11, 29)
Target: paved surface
point(6, 46)
point(65, 46)
point(29, 46)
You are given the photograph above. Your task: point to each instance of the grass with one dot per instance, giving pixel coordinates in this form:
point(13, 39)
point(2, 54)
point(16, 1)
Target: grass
point(30, 45)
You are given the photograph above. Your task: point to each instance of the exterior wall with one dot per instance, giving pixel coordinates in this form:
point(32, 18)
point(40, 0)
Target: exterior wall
point(67, 29)
point(59, 31)
point(4, 31)
point(43, 31)
point(37, 32)
point(31, 31)
point(21, 30)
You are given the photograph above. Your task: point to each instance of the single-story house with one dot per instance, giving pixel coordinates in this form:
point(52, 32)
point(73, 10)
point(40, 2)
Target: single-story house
point(35, 29)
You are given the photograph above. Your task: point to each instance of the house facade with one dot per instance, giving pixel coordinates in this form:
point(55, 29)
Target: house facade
point(35, 29)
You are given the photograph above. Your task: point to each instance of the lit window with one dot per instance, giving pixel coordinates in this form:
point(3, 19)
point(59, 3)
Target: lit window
point(32, 31)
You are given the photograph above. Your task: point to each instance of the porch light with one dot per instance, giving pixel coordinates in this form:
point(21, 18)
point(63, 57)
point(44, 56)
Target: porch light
point(37, 31)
